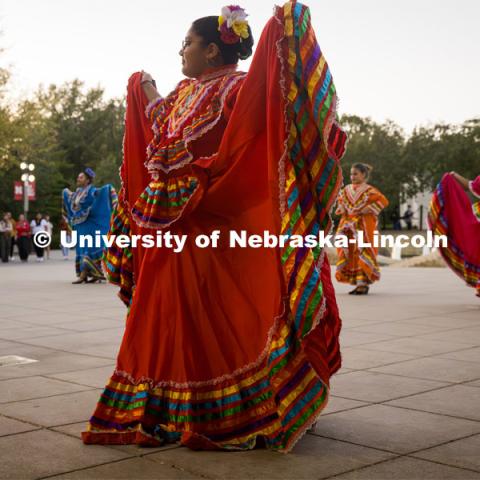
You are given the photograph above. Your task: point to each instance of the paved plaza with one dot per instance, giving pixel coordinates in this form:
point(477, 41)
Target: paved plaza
point(406, 404)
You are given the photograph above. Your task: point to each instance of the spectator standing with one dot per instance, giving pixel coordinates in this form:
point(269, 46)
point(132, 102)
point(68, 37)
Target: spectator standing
point(12, 234)
point(408, 217)
point(5, 237)
point(38, 224)
point(49, 228)
point(24, 233)
point(64, 226)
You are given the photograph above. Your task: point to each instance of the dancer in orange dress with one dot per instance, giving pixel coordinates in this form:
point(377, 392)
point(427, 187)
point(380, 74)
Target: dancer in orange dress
point(359, 205)
point(227, 348)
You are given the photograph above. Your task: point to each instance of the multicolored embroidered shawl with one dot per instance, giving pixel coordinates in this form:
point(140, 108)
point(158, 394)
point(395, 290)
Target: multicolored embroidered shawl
point(87, 211)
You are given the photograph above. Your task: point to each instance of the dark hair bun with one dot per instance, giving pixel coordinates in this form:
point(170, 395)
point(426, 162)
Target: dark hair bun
point(245, 46)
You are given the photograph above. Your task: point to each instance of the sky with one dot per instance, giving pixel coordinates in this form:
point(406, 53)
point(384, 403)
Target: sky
point(415, 62)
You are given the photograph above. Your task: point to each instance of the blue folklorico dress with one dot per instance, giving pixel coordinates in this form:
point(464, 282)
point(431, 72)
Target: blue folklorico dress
point(88, 212)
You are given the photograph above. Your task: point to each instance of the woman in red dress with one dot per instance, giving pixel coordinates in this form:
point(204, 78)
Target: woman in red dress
point(225, 346)
point(23, 237)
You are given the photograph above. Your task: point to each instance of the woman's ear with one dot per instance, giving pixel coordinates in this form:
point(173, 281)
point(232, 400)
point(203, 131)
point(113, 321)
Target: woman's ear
point(213, 52)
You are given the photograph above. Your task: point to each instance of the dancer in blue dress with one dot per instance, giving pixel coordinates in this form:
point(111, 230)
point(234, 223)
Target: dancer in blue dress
point(88, 210)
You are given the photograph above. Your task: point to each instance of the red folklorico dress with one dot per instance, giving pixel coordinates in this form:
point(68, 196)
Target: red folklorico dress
point(452, 214)
point(224, 346)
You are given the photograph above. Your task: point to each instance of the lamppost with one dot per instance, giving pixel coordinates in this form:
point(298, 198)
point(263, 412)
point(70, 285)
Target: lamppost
point(26, 178)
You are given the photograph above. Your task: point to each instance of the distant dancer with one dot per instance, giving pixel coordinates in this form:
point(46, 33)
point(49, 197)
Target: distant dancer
point(88, 210)
point(359, 205)
point(453, 214)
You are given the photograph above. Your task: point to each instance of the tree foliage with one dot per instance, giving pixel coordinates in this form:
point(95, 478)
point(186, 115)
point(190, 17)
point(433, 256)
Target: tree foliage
point(430, 152)
point(61, 130)
point(406, 165)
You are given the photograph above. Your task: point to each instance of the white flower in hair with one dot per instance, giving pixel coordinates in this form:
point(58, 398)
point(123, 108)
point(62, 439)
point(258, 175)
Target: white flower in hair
point(233, 14)
point(232, 24)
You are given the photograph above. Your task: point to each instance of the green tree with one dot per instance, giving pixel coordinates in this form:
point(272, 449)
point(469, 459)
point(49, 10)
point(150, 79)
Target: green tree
point(432, 151)
point(61, 130)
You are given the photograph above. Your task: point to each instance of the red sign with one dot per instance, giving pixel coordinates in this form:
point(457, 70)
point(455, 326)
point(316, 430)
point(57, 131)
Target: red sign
point(32, 191)
point(18, 191)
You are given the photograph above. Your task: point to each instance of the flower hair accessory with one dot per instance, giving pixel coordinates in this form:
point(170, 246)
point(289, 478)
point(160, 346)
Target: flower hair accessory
point(232, 24)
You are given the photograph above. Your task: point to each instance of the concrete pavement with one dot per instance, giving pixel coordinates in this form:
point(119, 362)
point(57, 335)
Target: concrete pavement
point(405, 405)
